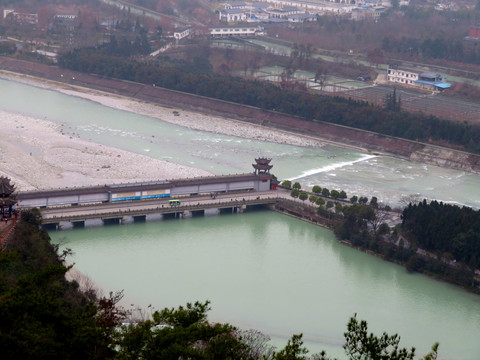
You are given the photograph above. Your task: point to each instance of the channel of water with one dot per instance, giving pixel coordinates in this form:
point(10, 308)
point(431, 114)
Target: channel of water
point(264, 270)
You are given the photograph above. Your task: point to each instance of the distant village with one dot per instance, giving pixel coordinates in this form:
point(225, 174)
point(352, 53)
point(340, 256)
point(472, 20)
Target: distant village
point(249, 19)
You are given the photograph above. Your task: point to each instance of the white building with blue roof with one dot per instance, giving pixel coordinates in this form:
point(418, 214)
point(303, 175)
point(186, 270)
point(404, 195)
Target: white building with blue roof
point(424, 80)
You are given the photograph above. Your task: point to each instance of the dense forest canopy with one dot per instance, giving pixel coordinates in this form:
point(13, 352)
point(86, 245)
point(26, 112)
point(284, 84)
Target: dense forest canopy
point(444, 228)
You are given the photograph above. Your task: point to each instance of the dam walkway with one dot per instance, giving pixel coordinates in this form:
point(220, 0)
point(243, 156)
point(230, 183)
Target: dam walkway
point(138, 210)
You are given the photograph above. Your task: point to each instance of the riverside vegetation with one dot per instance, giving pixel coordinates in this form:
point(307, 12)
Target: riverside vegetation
point(196, 76)
point(438, 239)
point(45, 316)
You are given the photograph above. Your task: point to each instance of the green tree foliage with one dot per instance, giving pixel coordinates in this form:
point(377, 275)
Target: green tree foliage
point(320, 201)
point(354, 199)
point(312, 199)
point(325, 192)
point(374, 202)
point(438, 47)
point(297, 185)
point(383, 229)
point(316, 189)
point(43, 316)
point(338, 208)
point(295, 193)
point(329, 204)
point(444, 228)
point(393, 103)
point(354, 227)
point(7, 47)
point(182, 333)
point(294, 350)
point(31, 216)
point(287, 184)
point(342, 195)
point(335, 194)
point(362, 199)
point(359, 344)
point(303, 196)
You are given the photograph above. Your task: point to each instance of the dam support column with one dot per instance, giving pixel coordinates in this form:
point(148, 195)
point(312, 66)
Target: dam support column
point(140, 218)
point(78, 224)
point(241, 209)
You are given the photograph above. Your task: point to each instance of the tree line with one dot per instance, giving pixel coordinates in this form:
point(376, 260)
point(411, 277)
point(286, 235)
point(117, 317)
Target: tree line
point(44, 316)
point(196, 77)
point(438, 239)
point(450, 230)
point(436, 48)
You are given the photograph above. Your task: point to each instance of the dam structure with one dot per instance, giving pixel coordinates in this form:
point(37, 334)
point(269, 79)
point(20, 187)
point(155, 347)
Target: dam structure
point(119, 203)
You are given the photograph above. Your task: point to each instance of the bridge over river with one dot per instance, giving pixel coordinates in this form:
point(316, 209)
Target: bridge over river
point(138, 210)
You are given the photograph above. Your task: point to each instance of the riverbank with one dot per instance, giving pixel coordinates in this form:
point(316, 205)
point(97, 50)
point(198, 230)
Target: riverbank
point(326, 133)
point(36, 154)
point(178, 116)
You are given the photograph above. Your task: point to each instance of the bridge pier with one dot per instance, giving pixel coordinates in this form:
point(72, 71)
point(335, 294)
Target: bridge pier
point(228, 210)
point(198, 213)
point(140, 218)
point(78, 224)
point(111, 221)
point(51, 226)
point(171, 215)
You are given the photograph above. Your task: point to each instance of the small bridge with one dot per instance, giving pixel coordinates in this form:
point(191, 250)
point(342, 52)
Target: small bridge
point(120, 212)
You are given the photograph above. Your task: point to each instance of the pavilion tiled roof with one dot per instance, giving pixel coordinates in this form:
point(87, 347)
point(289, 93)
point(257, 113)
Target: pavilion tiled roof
point(5, 187)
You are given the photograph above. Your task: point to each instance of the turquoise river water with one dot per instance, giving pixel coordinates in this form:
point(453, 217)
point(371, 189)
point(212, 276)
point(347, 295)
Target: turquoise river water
point(260, 269)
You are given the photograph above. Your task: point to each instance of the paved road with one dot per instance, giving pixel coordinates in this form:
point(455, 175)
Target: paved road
point(191, 203)
point(139, 207)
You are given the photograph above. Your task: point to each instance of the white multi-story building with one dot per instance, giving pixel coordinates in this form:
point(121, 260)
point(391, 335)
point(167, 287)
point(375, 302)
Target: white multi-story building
point(232, 15)
point(423, 80)
point(181, 33)
point(228, 31)
point(402, 76)
point(236, 5)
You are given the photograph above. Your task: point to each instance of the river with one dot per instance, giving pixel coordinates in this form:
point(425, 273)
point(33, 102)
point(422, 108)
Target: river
point(264, 270)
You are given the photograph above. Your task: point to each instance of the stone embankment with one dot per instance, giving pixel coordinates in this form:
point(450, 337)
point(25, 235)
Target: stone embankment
point(334, 134)
point(302, 211)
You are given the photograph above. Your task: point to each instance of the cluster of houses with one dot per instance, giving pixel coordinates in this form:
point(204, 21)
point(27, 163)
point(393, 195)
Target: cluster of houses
point(297, 11)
